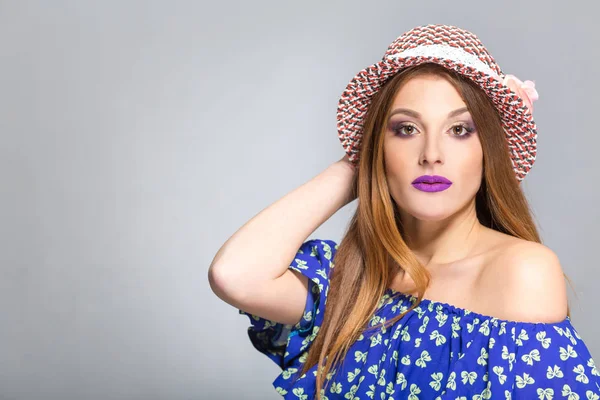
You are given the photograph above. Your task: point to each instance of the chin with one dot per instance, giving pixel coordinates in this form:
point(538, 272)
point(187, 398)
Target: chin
point(429, 215)
point(432, 210)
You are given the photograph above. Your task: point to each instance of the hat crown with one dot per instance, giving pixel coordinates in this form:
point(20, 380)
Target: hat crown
point(448, 35)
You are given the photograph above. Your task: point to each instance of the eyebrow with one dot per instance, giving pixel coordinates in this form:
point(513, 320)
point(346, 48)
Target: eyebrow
point(415, 114)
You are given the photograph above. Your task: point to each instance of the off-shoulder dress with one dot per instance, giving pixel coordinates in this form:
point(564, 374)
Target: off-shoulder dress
point(436, 351)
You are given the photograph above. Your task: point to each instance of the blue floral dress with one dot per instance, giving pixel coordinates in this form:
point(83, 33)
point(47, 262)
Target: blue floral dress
point(437, 351)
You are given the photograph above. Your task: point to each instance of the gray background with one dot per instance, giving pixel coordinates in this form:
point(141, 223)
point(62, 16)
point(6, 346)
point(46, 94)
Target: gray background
point(137, 136)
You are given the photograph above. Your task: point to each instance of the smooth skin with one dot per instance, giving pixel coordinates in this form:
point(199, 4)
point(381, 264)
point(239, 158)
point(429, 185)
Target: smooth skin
point(472, 267)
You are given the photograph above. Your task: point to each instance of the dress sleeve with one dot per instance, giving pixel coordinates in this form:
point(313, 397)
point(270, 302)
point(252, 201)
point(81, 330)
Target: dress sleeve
point(283, 343)
point(553, 362)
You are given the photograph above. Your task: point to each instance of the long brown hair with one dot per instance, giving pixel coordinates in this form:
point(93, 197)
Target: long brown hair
point(373, 246)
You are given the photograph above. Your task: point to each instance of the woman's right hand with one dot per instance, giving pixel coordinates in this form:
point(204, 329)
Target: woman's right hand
point(348, 169)
point(345, 161)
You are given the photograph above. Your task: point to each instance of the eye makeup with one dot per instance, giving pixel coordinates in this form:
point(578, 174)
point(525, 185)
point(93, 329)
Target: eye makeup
point(405, 129)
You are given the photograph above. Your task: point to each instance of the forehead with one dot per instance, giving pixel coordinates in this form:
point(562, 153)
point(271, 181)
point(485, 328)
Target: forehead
point(427, 92)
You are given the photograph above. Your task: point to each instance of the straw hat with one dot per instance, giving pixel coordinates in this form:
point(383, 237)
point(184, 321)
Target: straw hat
point(458, 50)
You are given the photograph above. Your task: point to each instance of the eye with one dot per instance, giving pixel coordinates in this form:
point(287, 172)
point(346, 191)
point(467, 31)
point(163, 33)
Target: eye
point(457, 130)
point(404, 129)
point(460, 131)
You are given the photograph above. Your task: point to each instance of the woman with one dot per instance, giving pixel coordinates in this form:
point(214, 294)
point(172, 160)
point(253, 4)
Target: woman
point(442, 288)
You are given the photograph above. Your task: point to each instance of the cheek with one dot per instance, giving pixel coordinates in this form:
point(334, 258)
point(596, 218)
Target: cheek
point(399, 161)
point(472, 162)
point(469, 169)
point(399, 174)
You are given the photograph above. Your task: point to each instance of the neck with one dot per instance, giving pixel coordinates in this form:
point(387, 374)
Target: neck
point(443, 241)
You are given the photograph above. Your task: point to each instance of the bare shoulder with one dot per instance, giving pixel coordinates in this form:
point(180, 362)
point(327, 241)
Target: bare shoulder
point(531, 282)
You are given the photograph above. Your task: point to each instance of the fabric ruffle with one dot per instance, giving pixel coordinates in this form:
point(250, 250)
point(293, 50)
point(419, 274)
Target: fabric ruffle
point(436, 351)
point(284, 343)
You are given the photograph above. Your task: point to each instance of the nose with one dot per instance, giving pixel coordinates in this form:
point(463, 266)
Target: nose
point(431, 152)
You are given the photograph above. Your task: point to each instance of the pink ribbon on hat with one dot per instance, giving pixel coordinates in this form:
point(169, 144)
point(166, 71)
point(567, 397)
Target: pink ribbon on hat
point(525, 90)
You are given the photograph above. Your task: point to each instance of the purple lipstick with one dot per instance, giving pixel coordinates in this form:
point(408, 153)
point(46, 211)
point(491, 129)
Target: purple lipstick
point(431, 183)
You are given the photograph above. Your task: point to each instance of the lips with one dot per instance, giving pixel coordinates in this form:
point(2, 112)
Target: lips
point(432, 179)
point(431, 183)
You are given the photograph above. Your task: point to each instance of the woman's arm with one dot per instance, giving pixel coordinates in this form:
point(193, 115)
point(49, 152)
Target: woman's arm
point(250, 271)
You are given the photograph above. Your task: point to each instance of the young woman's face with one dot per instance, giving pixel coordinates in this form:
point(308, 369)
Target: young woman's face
point(430, 132)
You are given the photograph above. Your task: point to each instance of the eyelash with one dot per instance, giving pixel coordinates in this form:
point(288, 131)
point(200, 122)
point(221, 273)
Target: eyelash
point(397, 129)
